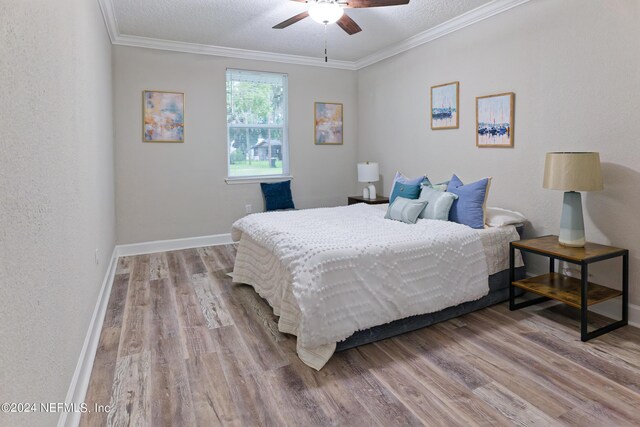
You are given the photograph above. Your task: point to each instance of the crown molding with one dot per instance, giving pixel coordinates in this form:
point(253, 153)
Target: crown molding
point(469, 18)
point(203, 49)
point(109, 15)
point(459, 22)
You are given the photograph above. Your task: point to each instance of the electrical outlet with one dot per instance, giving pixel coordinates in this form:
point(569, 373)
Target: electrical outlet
point(97, 257)
point(248, 208)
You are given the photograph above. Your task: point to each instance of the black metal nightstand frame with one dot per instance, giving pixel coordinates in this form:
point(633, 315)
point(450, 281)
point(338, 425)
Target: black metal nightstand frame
point(585, 335)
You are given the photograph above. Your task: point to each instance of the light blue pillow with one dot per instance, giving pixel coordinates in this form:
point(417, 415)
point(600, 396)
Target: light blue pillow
point(470, 207)
point(441, 186)
point(408, 191)
point(438, 203)
point(405, 210)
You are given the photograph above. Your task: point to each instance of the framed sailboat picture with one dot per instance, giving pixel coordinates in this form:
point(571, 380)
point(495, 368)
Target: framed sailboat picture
point(444, 106)
point(494, 120)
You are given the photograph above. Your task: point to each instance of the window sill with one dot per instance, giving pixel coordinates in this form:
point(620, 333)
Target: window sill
point(257, 179)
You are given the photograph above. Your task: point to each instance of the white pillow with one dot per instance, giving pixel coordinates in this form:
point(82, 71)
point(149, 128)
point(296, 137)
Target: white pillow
point(497, 217)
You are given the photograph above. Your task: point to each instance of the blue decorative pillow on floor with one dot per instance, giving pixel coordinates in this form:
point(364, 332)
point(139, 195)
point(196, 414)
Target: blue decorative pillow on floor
point(470, 207)
point(277, 196)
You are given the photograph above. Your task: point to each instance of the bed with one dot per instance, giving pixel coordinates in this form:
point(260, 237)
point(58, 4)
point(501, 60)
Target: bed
point(345, 276)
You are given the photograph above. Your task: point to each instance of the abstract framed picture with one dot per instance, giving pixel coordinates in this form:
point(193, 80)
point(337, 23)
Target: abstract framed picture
point(444, 106)
point(495, 120)
point(162, 116)
point(327, 122)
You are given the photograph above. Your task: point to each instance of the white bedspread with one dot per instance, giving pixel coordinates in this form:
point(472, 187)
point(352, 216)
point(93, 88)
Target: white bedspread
point(333, 271)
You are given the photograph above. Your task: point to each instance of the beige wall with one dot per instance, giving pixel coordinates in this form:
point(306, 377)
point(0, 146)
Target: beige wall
point(167, 191)
point(575, 68)
point(56, 193)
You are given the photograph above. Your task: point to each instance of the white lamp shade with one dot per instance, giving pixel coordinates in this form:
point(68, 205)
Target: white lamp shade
point(368, 172)
point(572, 171)
point(325, 12)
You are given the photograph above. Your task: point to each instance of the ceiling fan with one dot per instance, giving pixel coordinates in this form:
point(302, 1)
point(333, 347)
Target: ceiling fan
point(331, 11)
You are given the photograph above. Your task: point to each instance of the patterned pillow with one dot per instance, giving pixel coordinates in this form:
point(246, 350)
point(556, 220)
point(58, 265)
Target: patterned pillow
point(405, 210)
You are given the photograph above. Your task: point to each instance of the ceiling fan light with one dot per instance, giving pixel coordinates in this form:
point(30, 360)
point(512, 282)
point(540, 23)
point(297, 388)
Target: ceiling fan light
point(325, 12)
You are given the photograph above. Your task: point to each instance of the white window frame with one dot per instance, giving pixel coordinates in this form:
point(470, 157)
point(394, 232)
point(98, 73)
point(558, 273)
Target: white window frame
point(285, 134)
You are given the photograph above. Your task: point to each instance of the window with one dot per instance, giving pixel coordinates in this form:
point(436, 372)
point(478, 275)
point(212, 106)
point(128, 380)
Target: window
point(256, 124)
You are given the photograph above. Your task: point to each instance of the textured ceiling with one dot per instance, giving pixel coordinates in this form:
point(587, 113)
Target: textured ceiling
point(246, 24)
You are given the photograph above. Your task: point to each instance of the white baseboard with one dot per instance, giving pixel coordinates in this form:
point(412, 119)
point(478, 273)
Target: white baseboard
point(80, 380)
point(173, 245)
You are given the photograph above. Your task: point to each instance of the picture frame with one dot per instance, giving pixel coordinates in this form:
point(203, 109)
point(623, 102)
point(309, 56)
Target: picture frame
point(163, 116)
point(445, 106)
point(328, 123)
point(495, 120)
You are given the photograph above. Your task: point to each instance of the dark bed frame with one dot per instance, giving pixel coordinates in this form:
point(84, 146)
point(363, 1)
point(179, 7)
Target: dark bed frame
point(498, 292)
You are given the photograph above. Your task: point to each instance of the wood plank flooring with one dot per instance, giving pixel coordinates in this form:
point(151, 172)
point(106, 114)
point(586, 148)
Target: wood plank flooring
point(183, 346)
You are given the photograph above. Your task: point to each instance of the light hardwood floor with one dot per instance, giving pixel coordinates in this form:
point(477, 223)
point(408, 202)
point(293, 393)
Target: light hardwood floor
point(182, 346)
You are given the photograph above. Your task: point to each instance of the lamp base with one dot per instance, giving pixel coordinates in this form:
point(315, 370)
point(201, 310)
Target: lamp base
point(572, 221)
point(365, 193)
point(372, 192)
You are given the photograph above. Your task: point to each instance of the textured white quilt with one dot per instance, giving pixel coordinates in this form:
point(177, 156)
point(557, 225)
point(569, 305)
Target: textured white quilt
point(333, 271)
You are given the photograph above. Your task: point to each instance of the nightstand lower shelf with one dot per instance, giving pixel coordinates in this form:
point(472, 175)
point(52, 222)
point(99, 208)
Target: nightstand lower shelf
point(566, 289)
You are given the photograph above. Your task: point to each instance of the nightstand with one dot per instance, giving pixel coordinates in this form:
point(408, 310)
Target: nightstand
point(352, 200)
point(578, 293)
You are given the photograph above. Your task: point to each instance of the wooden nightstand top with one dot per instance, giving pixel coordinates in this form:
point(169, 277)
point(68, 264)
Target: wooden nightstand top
point(548, 245)
point(352, 200)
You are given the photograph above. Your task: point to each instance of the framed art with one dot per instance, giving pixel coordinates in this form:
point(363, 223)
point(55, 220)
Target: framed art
point(444, 106)
point(495, 120)
point(162, 116)
point(327, 123)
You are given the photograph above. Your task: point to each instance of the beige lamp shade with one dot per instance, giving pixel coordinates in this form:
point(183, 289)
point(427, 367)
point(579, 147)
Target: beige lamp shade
point(368, 172)
point(573, 171)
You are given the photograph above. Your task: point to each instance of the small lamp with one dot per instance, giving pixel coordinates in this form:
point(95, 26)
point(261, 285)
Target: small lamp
point(572, 172)
point(368, 172)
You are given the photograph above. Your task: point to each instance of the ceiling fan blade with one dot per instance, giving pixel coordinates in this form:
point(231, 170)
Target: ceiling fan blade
point(372, 3)
point(292, 20)
point(348, 25)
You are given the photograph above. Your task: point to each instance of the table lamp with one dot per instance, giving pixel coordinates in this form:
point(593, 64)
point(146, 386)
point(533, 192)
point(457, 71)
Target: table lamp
point(368, 172)
point(572, 173)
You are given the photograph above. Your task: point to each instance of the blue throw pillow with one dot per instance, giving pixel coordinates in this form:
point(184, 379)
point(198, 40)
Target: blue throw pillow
point(470, 207)
point(410, 181)
point(408, 191)
point(401, 179)
point(277, 196)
